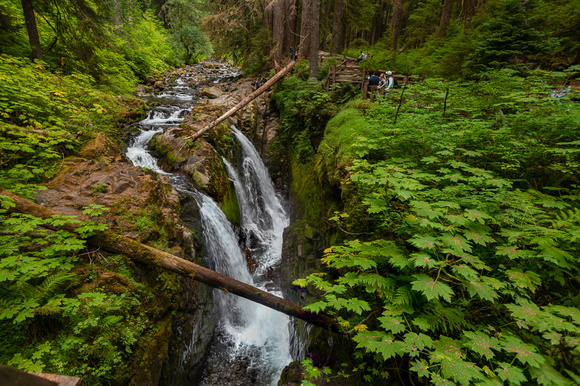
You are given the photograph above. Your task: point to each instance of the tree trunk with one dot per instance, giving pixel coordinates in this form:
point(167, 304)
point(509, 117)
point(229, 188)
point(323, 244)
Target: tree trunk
point(245, 101)
point(397, 22)
point(468, 10)
point(278, 29)
point(305, 23)
point(337, 27)
point(30, 21)
point(445, 17)
point(268, 16)
point(289, 25)
point(116, 243)
point(315, 39)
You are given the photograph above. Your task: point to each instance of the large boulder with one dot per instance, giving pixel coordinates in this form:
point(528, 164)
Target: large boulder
point(212, 92)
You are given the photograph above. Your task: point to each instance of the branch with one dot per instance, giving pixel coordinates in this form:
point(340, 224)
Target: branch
point(244, 101)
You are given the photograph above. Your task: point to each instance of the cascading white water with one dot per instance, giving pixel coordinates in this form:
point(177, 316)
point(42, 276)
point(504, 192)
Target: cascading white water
point(256, 337)
point(251, 345)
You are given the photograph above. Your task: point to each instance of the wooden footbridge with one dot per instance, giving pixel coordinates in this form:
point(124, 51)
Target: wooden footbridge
point(348, 71)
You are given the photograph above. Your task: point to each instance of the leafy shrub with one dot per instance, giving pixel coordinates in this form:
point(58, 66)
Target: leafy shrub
point(44, 118)
point(58, 314)
point(465, 266)
point(305, 108)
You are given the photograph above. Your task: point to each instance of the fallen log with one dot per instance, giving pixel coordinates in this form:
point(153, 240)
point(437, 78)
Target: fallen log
point(244, 101)
point(116, 243)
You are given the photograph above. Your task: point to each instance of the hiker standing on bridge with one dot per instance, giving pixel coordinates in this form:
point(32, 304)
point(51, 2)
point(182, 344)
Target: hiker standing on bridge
point(390, 83)
point(374, 80)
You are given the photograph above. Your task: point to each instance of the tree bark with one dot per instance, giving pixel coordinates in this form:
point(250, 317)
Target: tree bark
point(289, 25)
point(278, 29)
point(314, 39)
point(397, 22)
point(337, 27)
point(245, 101)
point(116, 243)
point(305, 23)
point(30, 21)
point(445, 17)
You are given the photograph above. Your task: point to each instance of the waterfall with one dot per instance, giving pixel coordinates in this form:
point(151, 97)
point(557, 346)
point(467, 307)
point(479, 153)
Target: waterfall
point(251, 344)
point(255, 338)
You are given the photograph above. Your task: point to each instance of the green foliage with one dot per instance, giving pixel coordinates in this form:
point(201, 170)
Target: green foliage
point(146, 46)
point(506, 36)
point(305, 108)
point(59, 318)
point(184, 19)
point(466, 265)
point(44, 118)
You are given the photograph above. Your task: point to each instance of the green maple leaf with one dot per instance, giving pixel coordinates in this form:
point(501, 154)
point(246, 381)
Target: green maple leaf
point(525, 353)
point(417, 342)
point(482, 290)
point(399, 261)
point(526, 310)
point(490, 382)
point(478, 234)
point(456, 219)
point(376, 205)
point(423, 260)
point(482, 344)
point(554, 337)
point(476, 215)
point(513, 252)
point(460, 371)
point(465, 271)
point(379, 342)
point(526, 280)
point(429, 160)
point(457, 243)
point(572, 312)
point(510, 373)
point(445, 347)
point(428, 210)
point(420, 367)
point(423, 241)
point(474, 261)
point(395, 324)
point(422, 323)
point(547, 375)
point(432, 289)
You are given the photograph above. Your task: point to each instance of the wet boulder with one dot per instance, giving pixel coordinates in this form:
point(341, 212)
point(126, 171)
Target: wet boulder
point(212, 92)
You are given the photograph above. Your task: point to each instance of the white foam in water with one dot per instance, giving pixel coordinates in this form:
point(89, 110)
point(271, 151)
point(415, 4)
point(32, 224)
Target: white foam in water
point(257, 336)
point(249, 334)
point(264, 218)
point(138, 153)
point(161, 118)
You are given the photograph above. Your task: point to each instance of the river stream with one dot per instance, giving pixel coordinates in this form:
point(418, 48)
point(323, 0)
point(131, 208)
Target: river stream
point(251, 343)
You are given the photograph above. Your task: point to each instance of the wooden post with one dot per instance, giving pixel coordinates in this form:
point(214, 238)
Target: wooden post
point(364, 76)
point(116, 243)
point(401, 100)
point(365, 89)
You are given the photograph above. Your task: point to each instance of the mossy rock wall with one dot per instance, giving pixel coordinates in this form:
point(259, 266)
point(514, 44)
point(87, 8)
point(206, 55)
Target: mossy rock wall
point(313, 198)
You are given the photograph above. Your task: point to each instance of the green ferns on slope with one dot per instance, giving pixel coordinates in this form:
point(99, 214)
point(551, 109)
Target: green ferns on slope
point(465, 270)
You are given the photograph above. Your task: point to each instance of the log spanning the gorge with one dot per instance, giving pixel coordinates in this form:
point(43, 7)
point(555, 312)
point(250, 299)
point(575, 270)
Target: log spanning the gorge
point(246, 100)
point(116, 243)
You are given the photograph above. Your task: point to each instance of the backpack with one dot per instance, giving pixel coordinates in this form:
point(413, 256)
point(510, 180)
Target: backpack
point(395, 83)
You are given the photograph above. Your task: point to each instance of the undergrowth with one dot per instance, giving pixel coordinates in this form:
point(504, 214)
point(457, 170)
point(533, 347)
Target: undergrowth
point(465, 268)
